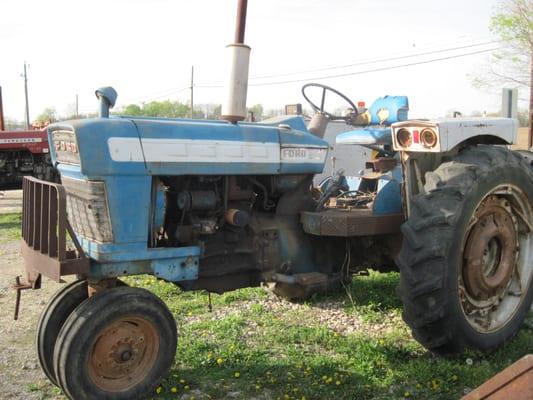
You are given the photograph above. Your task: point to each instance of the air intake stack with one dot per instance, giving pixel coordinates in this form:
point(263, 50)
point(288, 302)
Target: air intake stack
point(236, 87)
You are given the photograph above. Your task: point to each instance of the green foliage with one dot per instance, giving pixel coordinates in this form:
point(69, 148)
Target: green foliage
point(170, 109)
point(510, 65)
point(48, 115)
point(514, 24)
point(257, 110)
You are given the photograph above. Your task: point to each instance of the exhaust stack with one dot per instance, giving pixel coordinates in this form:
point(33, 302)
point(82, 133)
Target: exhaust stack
point(107, 97)
point(236, 87)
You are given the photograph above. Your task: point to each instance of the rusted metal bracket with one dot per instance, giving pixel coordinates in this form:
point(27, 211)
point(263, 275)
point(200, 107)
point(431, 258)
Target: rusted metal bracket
point(19, 287)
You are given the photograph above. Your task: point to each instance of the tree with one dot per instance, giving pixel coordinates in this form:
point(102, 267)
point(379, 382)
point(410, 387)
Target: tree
point(48, 115)
point(257, 111)
point(512, 65)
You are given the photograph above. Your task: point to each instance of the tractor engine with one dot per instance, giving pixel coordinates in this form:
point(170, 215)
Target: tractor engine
point(234, 219)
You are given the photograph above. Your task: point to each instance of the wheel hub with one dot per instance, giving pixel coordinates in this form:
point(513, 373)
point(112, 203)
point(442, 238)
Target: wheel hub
point(490, 252)
point(123, 353)
point(496, 269)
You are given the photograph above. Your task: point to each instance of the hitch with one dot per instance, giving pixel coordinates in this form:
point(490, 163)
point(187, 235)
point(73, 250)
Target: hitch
point(19, 287)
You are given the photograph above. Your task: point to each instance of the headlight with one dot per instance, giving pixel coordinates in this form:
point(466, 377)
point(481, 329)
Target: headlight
point(404, 138)
point(428, 137)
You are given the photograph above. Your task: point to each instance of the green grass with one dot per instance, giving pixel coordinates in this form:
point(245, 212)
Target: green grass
point(286, 354)
point(280, 350)
point(10, 227)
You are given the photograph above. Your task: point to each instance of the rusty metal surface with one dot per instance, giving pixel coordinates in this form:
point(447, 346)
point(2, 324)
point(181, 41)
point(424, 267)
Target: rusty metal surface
point(19, 286)
point(514, 382)
point(382, 164)
point(347, 223)
point(241, 21)
point(44, 227)
point(490, 252)
point(124, 353)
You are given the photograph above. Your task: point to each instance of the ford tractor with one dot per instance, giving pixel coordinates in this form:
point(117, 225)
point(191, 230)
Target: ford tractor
point(221, 205)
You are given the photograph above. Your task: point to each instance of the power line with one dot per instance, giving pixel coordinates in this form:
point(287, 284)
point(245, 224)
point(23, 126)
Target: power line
point(376, 60)
point(361, 72)
point(215, 84)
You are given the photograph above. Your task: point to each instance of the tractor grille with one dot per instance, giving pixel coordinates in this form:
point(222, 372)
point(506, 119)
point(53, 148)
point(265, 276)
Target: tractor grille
point(65, 146)
point(87, 209)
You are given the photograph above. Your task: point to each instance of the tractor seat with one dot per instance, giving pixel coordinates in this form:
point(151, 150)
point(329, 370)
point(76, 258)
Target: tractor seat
point(376, 122)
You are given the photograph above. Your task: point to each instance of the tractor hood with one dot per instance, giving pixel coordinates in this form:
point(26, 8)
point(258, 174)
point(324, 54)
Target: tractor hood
point(134, 146)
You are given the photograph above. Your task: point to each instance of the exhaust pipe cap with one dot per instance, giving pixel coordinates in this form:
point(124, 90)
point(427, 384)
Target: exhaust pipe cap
point(107, 96)
point(108, 93)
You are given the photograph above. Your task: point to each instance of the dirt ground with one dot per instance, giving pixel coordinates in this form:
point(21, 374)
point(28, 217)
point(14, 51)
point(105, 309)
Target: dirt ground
point(20, 373)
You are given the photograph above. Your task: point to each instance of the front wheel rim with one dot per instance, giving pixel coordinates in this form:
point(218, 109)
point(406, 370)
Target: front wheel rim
point(497, 262)
point(123, 354)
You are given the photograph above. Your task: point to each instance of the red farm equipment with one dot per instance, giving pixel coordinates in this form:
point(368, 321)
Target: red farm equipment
point(23, 153)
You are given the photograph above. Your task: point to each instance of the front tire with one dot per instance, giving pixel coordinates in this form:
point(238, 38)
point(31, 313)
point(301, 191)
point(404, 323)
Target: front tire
point(118, 344)
point(52, 319)
point(466, 263)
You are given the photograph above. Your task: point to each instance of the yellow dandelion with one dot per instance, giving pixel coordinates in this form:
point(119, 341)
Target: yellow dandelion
point(407, 394)
point(174, 389)
point(237, 374)
point(159, 389)
point(186, 387)
point(329, 380)
point(182, 381)
point(257, 387)
point(337, 383)
point(189, 314)
point(325, 378)
point(220, 361)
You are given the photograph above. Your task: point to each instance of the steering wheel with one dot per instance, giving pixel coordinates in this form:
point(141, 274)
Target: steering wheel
point(323, 100)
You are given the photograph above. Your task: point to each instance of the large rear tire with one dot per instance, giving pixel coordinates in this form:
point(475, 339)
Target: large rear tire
point(117, 344)
point(466, 263)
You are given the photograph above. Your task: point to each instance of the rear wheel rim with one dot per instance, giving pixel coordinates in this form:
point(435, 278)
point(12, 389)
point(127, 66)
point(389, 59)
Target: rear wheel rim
point(123, 354)
point(497, 262)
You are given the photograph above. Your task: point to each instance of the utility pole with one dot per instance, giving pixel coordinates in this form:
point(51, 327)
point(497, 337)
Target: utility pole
point(192, 92)
point(2, 123)
point(26, 96)
point(77, 114)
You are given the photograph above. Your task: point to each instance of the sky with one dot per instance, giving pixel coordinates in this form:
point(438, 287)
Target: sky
point(145, 50)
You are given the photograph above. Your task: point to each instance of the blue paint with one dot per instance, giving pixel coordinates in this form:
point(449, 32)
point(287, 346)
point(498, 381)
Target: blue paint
point(388, 198)
point(366, 136)
point(397, 106)
point(176, 270)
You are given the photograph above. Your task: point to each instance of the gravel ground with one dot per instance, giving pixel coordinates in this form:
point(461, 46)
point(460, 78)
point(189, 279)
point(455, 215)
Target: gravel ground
point(19, 367)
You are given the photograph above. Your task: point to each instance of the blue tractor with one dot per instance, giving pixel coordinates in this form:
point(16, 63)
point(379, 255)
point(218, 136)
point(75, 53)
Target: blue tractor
point(211, 205)
point(221, 205)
